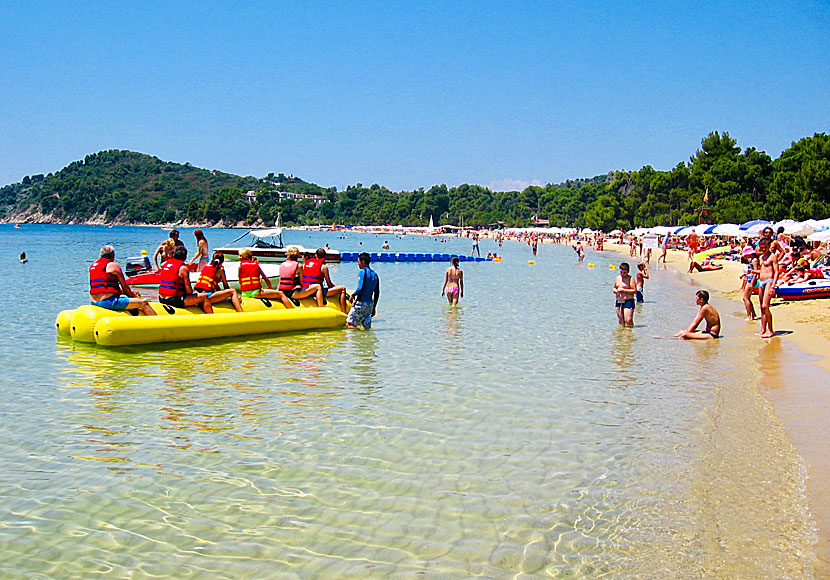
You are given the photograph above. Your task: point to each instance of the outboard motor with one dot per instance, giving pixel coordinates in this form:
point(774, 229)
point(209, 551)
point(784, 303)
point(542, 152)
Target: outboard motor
point(138, 264)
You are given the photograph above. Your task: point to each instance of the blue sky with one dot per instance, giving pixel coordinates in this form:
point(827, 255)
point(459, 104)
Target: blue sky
point(408, 95)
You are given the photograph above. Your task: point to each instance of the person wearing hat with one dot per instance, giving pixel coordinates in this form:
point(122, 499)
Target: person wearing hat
point(750, 259)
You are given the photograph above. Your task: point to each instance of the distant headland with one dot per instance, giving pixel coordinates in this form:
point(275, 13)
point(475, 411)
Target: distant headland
point(727, 184)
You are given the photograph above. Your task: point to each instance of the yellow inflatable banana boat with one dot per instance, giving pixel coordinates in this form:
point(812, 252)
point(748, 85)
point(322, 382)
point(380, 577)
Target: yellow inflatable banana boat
point(89, 323)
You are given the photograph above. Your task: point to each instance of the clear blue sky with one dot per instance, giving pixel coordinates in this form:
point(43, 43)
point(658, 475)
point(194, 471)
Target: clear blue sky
point(408, 95)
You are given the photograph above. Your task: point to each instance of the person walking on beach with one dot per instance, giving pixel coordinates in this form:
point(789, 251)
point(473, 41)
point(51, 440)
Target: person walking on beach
point(365, 298)
point(624, 290)
point(749, 258)
point(642, 276)
point(767, 277)
point(201, 251)
point(108, 288)
point(453, 283)
point(665, 250)
point(708, 313)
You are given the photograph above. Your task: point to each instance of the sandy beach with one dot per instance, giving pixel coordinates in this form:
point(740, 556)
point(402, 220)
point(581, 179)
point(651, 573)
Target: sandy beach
point(797, 389)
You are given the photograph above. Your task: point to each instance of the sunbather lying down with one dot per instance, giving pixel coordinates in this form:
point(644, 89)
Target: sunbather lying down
point(705, 267)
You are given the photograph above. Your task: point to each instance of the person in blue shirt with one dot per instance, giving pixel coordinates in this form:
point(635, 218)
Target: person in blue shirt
point(365, 298)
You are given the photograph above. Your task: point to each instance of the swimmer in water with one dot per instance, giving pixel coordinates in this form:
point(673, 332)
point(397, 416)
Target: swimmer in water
point(23, 258)
point(708, 313)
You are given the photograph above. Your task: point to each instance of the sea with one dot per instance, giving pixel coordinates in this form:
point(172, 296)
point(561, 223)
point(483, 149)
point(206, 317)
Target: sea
point(520, 435)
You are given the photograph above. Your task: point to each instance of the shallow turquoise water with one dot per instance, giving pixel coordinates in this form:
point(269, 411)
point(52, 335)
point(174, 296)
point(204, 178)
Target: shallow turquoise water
point(520, 435)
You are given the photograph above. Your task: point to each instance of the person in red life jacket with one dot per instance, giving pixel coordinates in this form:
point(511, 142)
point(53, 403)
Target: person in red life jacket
point(316, 271)
point(108, 288)
point(212, 277)
point(251, 277)
point(291, 273)
point(174, 287)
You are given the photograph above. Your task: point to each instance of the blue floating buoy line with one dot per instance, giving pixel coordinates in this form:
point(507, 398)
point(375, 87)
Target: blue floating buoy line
point(410, 257)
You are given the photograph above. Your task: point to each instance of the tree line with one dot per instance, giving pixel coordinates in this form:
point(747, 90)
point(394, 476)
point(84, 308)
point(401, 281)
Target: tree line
point(720, 183)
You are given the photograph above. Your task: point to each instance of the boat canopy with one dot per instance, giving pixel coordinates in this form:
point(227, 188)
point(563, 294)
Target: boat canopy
point(271, 233)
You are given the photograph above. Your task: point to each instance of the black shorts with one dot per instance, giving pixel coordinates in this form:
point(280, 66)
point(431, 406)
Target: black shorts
point(174, 301)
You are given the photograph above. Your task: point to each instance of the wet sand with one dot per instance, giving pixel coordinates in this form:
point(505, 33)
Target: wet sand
point(795, 375)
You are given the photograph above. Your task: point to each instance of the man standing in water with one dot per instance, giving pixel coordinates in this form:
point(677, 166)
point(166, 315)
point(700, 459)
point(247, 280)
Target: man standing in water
point(708, 313)
point(624, 290)
point(767, 278)
point(365, 298)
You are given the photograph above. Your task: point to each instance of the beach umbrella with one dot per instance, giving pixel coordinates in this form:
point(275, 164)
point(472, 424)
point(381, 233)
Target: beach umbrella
point(727, 230)
point(820, 236)
point(754, 223)
point(754, 227)
point(795, 228)
point(710, 231)
point(684, 231)
point(661, 230)
point(586, 231)
point(615, 232)
point(700, 229)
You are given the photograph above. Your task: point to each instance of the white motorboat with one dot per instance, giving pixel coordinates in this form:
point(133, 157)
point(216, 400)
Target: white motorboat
point(267, 246)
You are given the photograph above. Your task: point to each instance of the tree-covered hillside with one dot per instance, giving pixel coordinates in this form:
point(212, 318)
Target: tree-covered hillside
point(730, 184)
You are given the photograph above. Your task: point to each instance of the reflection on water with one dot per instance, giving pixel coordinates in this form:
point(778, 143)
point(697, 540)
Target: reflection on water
point(528, 437)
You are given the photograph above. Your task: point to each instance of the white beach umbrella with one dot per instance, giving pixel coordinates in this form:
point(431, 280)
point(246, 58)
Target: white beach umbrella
point(820, 236)
point(795, 228)
point(700, 229)
point(586, 231)
point(755, 230)
point(615, 232)
point(661, 230)
point(727, 230)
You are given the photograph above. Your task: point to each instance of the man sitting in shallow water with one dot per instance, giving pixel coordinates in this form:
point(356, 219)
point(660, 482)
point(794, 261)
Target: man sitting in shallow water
point(708, 313)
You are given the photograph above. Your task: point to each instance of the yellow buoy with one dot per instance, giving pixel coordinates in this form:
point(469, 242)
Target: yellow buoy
point(612, 267)
point(591, 266)
point(531, 262)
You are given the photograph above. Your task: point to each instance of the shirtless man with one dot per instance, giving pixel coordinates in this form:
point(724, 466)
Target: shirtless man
point(767, 277)
point(625, 287)
point(708, 313)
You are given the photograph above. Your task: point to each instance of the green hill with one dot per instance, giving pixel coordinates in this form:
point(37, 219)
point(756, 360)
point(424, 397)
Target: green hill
point(127, 187)
point(720, 183)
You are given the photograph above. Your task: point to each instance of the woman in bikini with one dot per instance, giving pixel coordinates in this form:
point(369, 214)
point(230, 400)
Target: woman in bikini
point(453, 283)
point(201, 251)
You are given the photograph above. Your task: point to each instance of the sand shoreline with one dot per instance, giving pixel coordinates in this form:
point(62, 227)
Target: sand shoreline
point(795, 384)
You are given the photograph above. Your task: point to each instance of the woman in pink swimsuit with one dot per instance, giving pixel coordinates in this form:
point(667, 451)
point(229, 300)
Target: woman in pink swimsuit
point(453, 283)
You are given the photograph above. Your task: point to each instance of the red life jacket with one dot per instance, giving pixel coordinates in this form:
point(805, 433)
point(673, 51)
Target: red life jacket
point(101, 281)
point(208, 280)
point(171, 284)
point(288, 275)
point(312, 272)
point(249, 275)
